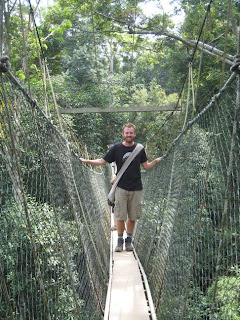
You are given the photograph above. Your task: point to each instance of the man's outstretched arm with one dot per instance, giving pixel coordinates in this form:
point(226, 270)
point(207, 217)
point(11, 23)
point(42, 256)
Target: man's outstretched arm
point(95, 162)
point(149, 165)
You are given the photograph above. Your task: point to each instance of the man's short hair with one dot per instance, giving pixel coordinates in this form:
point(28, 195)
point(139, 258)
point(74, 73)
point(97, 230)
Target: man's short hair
point(129, 125)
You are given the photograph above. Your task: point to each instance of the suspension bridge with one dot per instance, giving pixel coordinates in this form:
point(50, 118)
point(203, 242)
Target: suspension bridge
point(56, 259)
point(55, 221)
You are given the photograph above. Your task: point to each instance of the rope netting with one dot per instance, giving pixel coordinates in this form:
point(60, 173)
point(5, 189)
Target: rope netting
point(188, 238)
point(54, 219)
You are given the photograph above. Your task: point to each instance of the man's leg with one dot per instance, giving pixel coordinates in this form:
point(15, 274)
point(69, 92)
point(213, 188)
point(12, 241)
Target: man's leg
point(130, 225)
point(120, 229)
point(120, 226)
point(130, 229)
point(134, 212)
point(120, 215)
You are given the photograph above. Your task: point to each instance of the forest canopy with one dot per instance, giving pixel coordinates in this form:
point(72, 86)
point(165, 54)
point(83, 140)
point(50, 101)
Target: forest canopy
point(105, 54)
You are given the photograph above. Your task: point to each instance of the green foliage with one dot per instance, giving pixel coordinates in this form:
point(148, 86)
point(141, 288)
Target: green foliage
point(160, 22)
point(226, 300)
point(19, 264)
point(95, 62)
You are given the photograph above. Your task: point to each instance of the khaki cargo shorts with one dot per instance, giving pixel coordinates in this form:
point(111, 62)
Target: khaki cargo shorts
point(127, 204)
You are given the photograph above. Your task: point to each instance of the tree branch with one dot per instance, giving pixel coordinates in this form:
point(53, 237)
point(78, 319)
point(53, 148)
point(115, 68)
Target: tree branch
point(210, 50)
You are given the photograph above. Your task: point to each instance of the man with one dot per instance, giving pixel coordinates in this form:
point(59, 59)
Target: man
point(128, 194)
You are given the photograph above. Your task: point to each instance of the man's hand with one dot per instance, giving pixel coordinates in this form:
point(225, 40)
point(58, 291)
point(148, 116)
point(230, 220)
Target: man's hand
point(95, 162)
point(149, 165)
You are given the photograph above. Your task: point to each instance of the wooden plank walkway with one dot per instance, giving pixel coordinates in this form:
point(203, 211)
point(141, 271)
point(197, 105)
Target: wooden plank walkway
point(127, 298)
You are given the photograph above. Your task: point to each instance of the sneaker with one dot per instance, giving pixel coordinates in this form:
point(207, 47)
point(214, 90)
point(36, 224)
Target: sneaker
point(128, 244)
point(119, 247)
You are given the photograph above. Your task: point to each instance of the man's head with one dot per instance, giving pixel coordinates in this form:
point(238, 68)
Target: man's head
point(129, 132)
point(129, 125)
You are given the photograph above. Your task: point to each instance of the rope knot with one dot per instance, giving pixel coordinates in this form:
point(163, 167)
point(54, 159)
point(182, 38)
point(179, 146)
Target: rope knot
point(235, 68)
point(4, 64)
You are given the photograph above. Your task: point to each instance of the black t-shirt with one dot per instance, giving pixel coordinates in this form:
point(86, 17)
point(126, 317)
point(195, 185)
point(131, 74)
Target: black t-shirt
point(131, 179)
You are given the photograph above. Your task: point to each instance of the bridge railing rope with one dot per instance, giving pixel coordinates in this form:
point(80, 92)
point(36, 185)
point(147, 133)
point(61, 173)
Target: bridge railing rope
point(55, 220)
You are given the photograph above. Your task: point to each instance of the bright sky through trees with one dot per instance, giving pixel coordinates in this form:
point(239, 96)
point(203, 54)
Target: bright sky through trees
point(162, 6)
point(150, 8)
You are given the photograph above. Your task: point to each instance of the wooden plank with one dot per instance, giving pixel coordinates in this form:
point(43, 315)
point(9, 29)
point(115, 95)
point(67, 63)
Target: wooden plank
point(147, 289)
point(128, 300)
point(127, 297)
point(118, 109)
